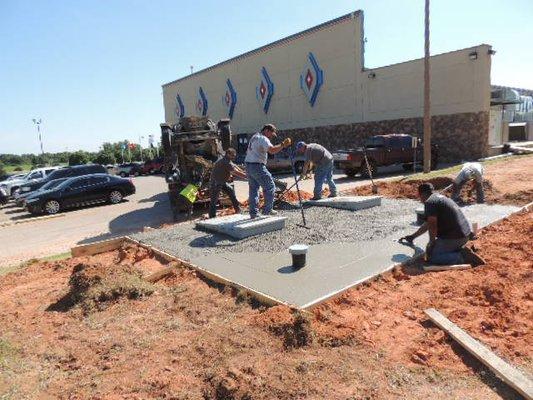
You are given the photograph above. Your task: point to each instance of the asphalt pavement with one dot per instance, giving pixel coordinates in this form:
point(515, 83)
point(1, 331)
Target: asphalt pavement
point(148, 207)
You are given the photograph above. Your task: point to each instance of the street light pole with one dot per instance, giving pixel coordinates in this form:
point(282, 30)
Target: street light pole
point(427, 99)
point(141, 147)
point(38, 123)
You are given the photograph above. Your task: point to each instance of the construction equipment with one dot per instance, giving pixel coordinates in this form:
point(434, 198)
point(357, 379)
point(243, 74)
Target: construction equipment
point(190, 149)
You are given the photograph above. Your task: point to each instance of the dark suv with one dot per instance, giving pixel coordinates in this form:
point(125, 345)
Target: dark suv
point(66, 172)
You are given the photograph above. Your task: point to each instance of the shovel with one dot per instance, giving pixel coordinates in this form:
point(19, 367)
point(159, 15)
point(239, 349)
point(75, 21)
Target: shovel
point(291, 155)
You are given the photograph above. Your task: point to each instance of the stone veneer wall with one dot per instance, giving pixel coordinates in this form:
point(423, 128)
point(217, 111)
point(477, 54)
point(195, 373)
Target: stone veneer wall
point(459, 136)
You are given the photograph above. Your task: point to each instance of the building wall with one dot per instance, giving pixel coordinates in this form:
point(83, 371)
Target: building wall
point(350, 94)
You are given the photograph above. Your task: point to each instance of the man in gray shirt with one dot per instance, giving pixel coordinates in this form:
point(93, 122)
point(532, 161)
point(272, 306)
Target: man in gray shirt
point(222, 171)
point(448, 230)
point(322, 159)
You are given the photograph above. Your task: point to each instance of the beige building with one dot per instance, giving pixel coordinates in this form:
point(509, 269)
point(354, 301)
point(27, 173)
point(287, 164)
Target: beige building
point(314, 85)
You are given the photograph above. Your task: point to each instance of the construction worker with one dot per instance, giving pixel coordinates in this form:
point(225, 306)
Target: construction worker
point(222, 171)
point(469, 171)
point(259, 147)
point(448, 230)
point(322, 159)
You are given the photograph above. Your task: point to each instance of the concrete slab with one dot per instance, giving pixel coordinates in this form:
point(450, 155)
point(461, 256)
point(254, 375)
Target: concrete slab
point(240, 226)
point(352, 203)
point(345, 249)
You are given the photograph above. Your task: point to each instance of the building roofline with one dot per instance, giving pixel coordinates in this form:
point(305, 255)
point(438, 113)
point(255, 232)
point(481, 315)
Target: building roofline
point(273, 44)
point(511, 87)
point(431, 56)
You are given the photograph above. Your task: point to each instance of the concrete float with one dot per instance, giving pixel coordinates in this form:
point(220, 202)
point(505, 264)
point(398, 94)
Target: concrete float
point(241, 226)
point(352, 203)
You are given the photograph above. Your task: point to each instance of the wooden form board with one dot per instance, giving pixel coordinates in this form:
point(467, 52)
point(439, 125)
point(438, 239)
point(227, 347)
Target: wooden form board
point(431, 268)
point(97, 247)
point(509, 374)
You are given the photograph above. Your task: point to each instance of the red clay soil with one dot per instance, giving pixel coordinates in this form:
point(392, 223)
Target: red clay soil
point(189, 339)
point(505, 182)
point(492, 302)
point(289, 197)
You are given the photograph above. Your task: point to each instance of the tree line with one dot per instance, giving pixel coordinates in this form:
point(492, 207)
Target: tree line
point(109, 153)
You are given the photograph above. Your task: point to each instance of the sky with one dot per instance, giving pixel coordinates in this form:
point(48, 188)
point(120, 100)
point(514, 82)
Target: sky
point(93, 70)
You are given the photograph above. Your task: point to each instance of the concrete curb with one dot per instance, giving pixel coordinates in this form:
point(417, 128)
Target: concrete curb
point(34, 219)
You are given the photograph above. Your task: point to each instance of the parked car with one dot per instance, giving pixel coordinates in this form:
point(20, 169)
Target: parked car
point(10, 185)
point(281, 162)
point(65, 172)
point(20, 198)
point(80, 191)
point(154, 166)
point(3, 197)
point(128, 169)
point(383, 150)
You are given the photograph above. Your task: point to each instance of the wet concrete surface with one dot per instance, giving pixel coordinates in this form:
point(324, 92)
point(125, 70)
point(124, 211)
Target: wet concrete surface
point(346, 248)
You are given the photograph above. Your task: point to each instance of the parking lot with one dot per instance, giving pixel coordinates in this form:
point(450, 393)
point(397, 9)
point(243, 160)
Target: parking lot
point(23, 237)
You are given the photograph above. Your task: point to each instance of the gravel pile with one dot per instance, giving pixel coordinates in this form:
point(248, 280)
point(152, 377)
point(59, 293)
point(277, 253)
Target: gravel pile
point(327, 225)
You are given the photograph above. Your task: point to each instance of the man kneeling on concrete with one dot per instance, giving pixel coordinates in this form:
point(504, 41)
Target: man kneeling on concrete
point(448, 230)
point(322, 159)
point(259, 147)
point(469, 171)
point(223, 169)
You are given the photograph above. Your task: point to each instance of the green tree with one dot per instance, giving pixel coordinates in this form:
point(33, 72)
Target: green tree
point(105, 157)
point(78, 157)
point(2, 169)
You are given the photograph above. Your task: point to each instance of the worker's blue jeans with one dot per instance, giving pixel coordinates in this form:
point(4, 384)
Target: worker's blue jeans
point(259, 176)
point(447, 251)
point(324, 174)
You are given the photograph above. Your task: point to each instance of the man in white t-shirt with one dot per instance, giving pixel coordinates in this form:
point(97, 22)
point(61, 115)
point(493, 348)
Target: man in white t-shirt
point(259, 147)
point(469, 171)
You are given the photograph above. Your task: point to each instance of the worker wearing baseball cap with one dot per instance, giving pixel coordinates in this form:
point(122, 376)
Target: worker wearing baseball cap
point(259, 147)
point(322, 159)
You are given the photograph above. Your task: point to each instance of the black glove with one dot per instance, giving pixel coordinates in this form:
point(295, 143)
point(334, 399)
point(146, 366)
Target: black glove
point(409, 239)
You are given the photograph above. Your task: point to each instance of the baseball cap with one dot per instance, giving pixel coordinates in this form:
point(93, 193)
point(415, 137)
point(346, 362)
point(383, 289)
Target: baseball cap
point(299, 145)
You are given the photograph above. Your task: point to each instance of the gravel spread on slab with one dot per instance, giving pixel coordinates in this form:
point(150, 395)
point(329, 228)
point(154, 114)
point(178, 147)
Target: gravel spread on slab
point(326, 225)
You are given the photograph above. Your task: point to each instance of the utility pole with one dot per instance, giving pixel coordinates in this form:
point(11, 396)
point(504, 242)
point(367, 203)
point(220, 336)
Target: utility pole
point(38, 123)
point(427, 99)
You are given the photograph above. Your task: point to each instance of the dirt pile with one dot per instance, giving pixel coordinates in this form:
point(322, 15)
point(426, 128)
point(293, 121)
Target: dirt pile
point(293, 326)
point(289, 197)
point(492, 302)
point(507, 182)
point(409, 190)
point(93, 285)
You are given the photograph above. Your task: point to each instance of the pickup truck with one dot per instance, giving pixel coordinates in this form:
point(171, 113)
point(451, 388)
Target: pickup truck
point(383, 150)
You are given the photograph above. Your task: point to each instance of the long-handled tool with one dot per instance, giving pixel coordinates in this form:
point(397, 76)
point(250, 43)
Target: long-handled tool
point(291, 155)
point(287, 190)
point(369, 170)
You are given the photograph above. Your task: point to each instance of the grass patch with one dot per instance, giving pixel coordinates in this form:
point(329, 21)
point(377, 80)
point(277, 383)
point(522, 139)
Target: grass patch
point(10, 169)
point(454, 170)
point(8, 353)
point(31, 261)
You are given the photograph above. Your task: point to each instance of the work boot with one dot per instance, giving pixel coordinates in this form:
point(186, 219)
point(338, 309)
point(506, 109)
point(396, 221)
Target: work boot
point(271, 212)
point(471, 258)
point(315, 198)
point(332, 195)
